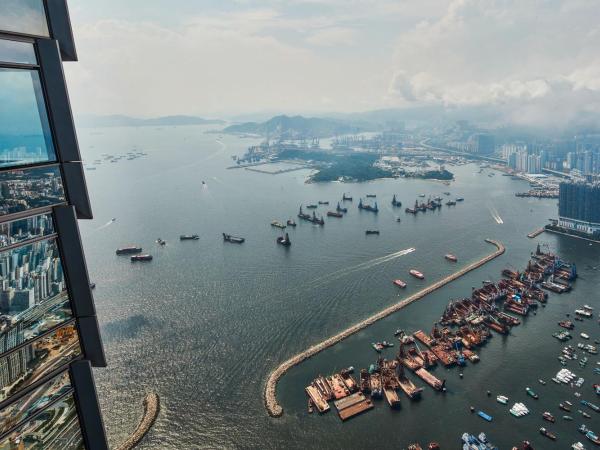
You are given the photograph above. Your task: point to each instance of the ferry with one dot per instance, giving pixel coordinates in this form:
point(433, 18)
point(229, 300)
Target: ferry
point(233, 239)
point(451, 257)
point(284, 240)
point(146, 257)
point(399, 283)
point(415, 273)
point(189, 237)
point(128, 250)
point(277, 224)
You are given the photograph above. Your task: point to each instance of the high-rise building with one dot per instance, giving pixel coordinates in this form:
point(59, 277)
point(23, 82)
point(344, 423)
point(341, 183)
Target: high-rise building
point(49, 335)
point(579, 208)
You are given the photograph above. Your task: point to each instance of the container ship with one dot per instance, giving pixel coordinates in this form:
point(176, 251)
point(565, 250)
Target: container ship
point(128, 250)
point(189, 237)
point(415, 273)
point(451, 257)
point(135, 258)
point(233, 239)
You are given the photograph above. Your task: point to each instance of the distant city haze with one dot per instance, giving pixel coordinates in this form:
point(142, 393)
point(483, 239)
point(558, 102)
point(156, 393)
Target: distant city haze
point(532, 63)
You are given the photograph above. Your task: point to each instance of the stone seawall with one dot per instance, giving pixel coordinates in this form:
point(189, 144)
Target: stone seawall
point(151, 410)
point(270, 395)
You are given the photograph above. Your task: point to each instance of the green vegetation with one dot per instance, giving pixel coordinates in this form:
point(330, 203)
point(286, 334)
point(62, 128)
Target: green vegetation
point(287, 127)
point(432, 175)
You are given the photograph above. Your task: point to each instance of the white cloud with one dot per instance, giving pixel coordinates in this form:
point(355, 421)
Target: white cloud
point(331, 37)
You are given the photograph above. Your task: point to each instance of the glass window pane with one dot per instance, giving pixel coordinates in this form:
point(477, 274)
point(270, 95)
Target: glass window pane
point(21, 230)
point(28, 364)
point(23, 16)
point(25, 189)
point(33, 298)
point(25, 136)
point(55, 428)
point(17, 52)
point(34, 402)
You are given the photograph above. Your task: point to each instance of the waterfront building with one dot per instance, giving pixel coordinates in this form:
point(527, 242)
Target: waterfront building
point(49, 335)
point(579, 209)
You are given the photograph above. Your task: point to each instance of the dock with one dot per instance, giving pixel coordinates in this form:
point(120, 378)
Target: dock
point(317, 399)
point(536, 233)
point(270, 394)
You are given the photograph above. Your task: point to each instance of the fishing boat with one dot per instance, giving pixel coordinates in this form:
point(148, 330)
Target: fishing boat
point(399, 283)
point(592, 437)
point(567, 418)
point(531, 393)
point(415, 273)
point(484, 416)
point(284, 240)
point(549, 417)
point(564, 407)
point(584, 335)
point(136, 258)
point(277, 224)
point(502, 399)
point(233, 239)
point(451, 257)
point(189, 237)
point(547, 433)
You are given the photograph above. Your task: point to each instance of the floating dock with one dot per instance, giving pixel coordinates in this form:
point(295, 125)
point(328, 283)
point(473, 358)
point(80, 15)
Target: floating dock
point(270, 394)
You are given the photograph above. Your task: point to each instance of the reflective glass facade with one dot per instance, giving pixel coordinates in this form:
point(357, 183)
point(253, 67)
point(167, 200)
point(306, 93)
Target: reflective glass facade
point(25, 136)
point(24, 17)
point(49, 334)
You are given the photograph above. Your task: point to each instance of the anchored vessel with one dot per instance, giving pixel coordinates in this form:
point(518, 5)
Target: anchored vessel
point(277, 224)
point(284, 240)
point(233, 239)
point(146, 257)
point(415, 273)
point(189, 237)
point(396, 202)
point(365, 207)
point(128, 250)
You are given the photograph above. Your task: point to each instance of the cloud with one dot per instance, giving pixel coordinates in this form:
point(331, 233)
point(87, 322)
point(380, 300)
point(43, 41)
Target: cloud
point(333, 36)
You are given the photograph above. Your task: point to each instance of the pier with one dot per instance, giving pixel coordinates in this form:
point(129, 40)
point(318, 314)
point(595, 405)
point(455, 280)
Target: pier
point(270, 395)
point(151, 410)
point(536, 233)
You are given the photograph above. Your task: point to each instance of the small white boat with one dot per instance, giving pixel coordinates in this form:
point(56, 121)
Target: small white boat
point(584, 336)
point(502, 399)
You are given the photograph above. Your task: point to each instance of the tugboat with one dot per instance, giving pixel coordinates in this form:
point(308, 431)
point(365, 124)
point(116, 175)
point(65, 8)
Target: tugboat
point(277, 224)
point(415, 273)
point(549, 417)
point(128, 250)
point(451, 257)
point(531, 393)
point(395, 202)
point(547, 433)
point(233, 239)
point(189, 237)
point(346, 198)
point(284, 240)
point(291, 223)
point(367, 232)
point(399, 283)
point(340, 209)
point(146, 257)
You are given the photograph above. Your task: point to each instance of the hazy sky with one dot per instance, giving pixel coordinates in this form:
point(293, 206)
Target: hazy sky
point(213, 58)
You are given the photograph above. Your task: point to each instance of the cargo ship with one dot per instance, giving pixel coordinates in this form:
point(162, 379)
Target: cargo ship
point(399, 283)
point(451, 257)
point(340, 209)
point(233, 239)
point(374, 208)
point(396, 202)
point(277, 224)
point(367, 232)
point(189, 237)
point(128, 250)
point(146, 257)
point(415, 273)
point(334, 214)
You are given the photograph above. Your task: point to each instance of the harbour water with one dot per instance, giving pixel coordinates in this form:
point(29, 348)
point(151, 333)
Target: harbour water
point(205, 322)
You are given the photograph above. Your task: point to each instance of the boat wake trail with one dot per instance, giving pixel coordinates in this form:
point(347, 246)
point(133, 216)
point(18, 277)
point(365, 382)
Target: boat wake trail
point(359, 267)
point(101, 227)
point(495, 215)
